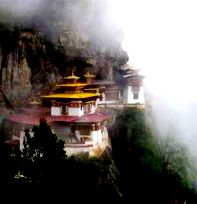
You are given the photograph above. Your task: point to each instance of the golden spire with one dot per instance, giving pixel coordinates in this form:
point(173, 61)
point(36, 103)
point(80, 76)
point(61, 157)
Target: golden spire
point(72, 76)
point(88, 74)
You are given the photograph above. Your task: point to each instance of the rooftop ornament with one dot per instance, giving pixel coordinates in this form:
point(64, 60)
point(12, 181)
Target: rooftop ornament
point(89, 75)
point(72, 76)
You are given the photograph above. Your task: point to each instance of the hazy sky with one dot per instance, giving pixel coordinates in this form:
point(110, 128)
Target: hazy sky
point(161, 39)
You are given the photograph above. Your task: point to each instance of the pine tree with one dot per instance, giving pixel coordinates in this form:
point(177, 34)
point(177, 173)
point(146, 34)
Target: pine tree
point(43, 152)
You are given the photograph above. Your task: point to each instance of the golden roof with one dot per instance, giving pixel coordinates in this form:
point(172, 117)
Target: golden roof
point(72, 96)
point(71, 85)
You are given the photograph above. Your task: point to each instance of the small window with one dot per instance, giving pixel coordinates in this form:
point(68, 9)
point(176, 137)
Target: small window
point(135, 95)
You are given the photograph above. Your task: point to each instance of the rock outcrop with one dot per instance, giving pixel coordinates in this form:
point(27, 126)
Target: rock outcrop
point(36, 52)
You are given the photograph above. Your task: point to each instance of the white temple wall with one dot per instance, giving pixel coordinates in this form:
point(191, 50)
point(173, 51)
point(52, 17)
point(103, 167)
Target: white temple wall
point(93, 109)
point(98, 101)
point(75, 111)
point(96, 136)
point(128, 96)
point(100, 136)
point(55, 111)
point(141, 96)
point(78, 135)
point(103, 97)
point(104, 132)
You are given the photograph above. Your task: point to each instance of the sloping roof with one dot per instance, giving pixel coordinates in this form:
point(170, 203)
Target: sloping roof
point(67, 119)
point(72, 85)
point(94, 117)
point(34, 118)
point(25, 119)
point(29, 116)
point(72, 96)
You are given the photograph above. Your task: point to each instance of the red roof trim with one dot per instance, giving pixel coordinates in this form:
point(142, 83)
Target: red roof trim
point(94, 117)
point(34, 119)
point(12, 142)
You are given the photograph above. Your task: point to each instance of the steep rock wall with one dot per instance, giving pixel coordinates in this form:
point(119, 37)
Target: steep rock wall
point(37, 50)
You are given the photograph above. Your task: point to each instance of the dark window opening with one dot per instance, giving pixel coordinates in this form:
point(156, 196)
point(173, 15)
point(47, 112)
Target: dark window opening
point(135, 95)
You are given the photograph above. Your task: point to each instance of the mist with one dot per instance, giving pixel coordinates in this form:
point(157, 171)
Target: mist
point(160, 38)
point(92, 18)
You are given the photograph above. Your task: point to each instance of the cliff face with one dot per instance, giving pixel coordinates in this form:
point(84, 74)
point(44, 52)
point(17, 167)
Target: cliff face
point(36, 52)
point(25, 65)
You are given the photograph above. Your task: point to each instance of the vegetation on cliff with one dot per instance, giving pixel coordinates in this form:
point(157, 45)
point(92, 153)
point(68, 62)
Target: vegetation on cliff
point(150, 171)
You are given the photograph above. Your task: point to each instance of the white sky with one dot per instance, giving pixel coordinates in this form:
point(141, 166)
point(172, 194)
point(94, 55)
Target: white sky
point(161, 39)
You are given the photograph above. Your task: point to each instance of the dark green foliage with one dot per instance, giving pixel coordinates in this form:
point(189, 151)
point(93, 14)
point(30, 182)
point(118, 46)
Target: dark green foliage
point(150, 173)
point(96, 178)
point(135, 154)
point(9, 161)
point(42, 144)
point(42, 153)
point(43, 171)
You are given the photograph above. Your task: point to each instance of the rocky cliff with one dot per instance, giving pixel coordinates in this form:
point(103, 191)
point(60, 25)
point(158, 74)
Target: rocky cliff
point(38, 50)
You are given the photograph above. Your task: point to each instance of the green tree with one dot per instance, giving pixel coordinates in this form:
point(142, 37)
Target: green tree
point(43, 152)
point(176, 176)
point(96, 176)
point(157, 173)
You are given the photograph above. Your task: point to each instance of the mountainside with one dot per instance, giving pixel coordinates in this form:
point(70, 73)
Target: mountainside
point(38, 49)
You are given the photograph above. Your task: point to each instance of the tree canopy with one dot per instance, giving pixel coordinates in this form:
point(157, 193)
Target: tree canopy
point(157, 173)
point(42, 151)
